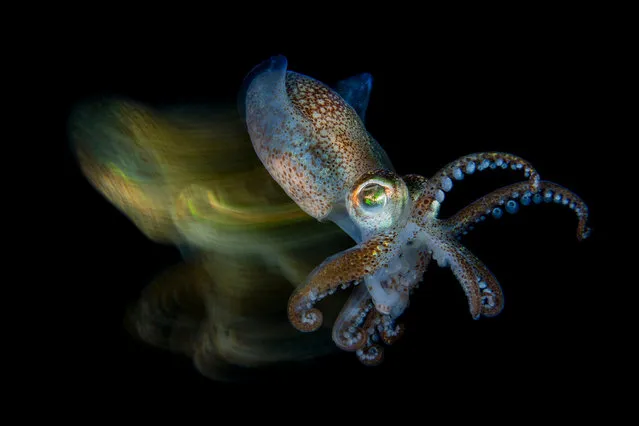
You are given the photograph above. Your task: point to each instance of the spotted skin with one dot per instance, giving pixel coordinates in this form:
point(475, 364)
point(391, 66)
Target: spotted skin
point(316, 147)
point(349, 333)
point(476, 212)
point(352, 265)
point(311, 141)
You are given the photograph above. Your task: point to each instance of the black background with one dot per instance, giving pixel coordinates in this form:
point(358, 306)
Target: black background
point(539, 90)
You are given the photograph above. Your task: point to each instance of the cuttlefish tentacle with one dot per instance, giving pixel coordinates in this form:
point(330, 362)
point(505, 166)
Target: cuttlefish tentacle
point(352, 265)
point(389, 331)
point(492, 297)
point(348, 333)
point(481, 287)
point(509, 198)
point(442, 181)
point(371, 353)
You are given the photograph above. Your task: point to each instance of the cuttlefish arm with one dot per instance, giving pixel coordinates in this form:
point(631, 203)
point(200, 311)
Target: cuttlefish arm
point(348, 267)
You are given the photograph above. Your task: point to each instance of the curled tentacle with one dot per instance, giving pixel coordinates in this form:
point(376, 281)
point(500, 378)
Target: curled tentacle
point(509, 198)
point(442, 181)
point(348, 333)
point(352, 265)
point(371, 355)
point(480, 285)
point(358, 321)
point(388, 330)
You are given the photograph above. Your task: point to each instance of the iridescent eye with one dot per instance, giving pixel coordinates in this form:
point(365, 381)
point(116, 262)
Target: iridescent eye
point(372, 197)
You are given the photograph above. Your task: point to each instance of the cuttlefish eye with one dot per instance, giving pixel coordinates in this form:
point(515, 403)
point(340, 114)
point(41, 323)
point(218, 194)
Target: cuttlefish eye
point(378, 201)
point(373, 197)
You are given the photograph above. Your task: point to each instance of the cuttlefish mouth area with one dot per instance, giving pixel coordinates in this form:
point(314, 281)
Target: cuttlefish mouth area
point(390, 287)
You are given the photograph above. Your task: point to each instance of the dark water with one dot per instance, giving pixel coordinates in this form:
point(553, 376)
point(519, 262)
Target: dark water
point(537, 97)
